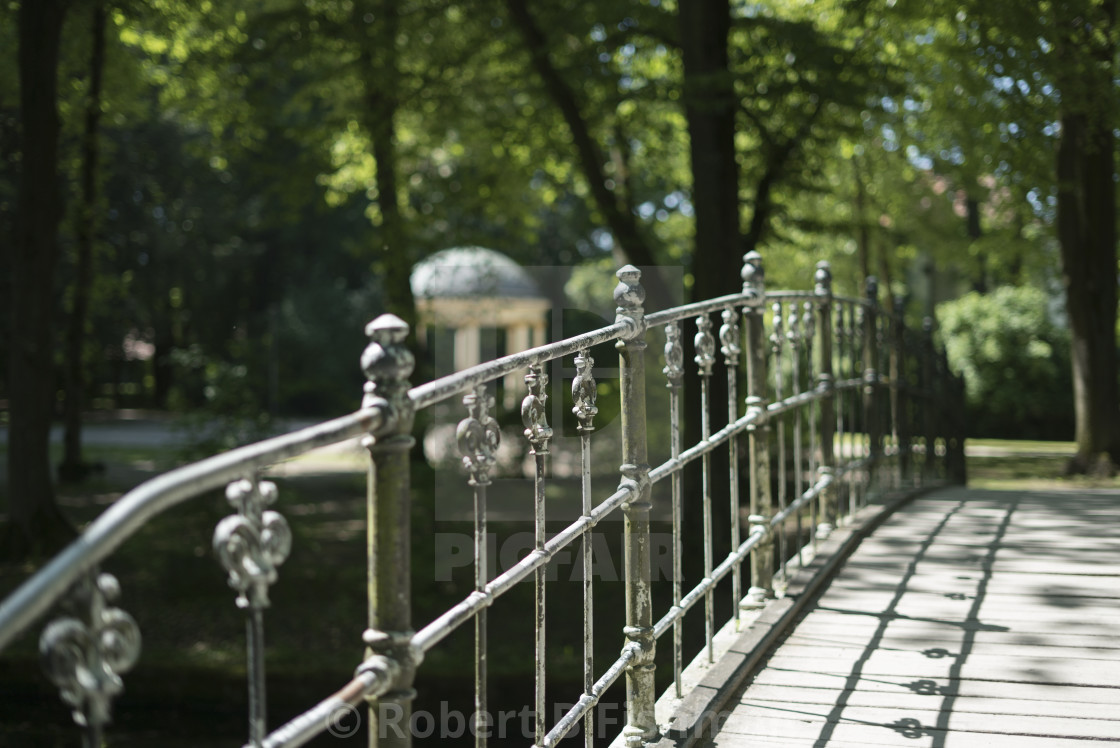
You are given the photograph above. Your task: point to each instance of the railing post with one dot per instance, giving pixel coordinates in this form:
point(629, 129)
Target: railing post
point(823, 291)
point(871, 398)
point(900, 397)
point(641, 725)
point(758, 433)
point(958, 472)
point(929, 401)
point(387, 364)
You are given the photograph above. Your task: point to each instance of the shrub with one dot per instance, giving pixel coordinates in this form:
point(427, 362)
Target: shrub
point(1015, 360)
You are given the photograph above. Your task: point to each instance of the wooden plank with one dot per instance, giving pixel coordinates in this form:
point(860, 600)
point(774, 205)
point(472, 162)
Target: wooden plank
point(988, 704)
point(963, 605)
point(905, 630)
point(811, 647)
point(1040, 626)
point(885, 726)
point(965, 687)
point(983, 667)
point(999, 582)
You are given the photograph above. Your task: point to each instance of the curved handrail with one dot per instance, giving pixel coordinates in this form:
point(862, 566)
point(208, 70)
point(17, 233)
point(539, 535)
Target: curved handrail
point(116, 524)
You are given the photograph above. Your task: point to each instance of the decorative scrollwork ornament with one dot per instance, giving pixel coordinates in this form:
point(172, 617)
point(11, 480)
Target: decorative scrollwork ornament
point(674, 355)
point(584, 392)
point(533, 413)
point(777, 336)
point(729, 337)
point(478, 436)
point(252, 543)
point(85, 658)
point(705, 345)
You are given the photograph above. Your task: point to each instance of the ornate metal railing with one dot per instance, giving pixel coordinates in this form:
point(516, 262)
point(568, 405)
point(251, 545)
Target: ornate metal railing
point(841, 401)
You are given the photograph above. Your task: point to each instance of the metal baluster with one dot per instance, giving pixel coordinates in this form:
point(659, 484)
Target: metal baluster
point(584, 395)
point(890, 422)
point(705, 346)
point(929, 401)
point(761, 503)
point(777, 341)
point(478, 436)
point(841, 400)
point(810, 325)
point(640, 687)
point(887, 433)
point(731, 350)
point(85, 653)
point(856, 426)
point(858, 412)
point(537, 431)
point(826, 411)
point(674, 373)
point(901, 393)
point(794, 336)
point(854, 402)
point(387, 364)
point(250, 546)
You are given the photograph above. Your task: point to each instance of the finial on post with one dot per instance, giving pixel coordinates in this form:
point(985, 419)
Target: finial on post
point(823, 279)
point(754, 276)
point(629, 296)
point(387, 364)
point(872, 288)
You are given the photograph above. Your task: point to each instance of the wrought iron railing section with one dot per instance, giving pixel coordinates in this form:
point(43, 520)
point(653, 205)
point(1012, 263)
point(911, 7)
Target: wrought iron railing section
point(250, 546)
point(835, 398)
point(478, 436)
point(85, 653)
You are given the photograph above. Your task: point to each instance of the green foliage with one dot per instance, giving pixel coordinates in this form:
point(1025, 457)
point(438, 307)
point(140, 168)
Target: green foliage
point(242, 225)
point(1015, 361)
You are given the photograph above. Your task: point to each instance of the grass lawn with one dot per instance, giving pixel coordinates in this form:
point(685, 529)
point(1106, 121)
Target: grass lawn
point(1027, 466)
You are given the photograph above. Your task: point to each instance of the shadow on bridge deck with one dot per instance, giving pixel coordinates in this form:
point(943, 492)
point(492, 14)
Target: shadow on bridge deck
point(969, 618)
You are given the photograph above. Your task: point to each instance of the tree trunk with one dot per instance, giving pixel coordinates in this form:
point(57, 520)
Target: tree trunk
point(624, 228)
point(972, 223)
point(1087, 236)
point(863, 230)
point(381, 22)
point(710, 107)
point(36, 520)
point(1087, 233)
point(73, 467)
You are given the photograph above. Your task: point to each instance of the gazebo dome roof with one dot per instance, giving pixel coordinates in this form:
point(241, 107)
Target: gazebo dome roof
point(462, 272)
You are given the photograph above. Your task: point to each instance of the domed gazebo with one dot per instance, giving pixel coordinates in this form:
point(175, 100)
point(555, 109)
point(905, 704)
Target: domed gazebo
point(467, 289)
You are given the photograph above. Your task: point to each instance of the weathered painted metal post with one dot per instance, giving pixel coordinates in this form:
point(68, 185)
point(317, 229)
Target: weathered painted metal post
point(641, 724)
point(539, 433)
point(900, 402)
point(387, 364)
point(929, 401)
point(871, 399)
point(823, 291)
point(958, 465)
point(478, 436)
point(758, 433)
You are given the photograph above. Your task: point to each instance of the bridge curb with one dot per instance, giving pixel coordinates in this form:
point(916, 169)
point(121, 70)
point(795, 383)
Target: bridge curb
point(693, 719)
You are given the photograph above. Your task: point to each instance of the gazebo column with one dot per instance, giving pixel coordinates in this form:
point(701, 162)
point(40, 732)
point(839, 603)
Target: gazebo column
point(518, 339)
point(468, 345)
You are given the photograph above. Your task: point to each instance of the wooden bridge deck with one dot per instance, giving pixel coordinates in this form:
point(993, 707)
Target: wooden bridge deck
point(970, 618)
